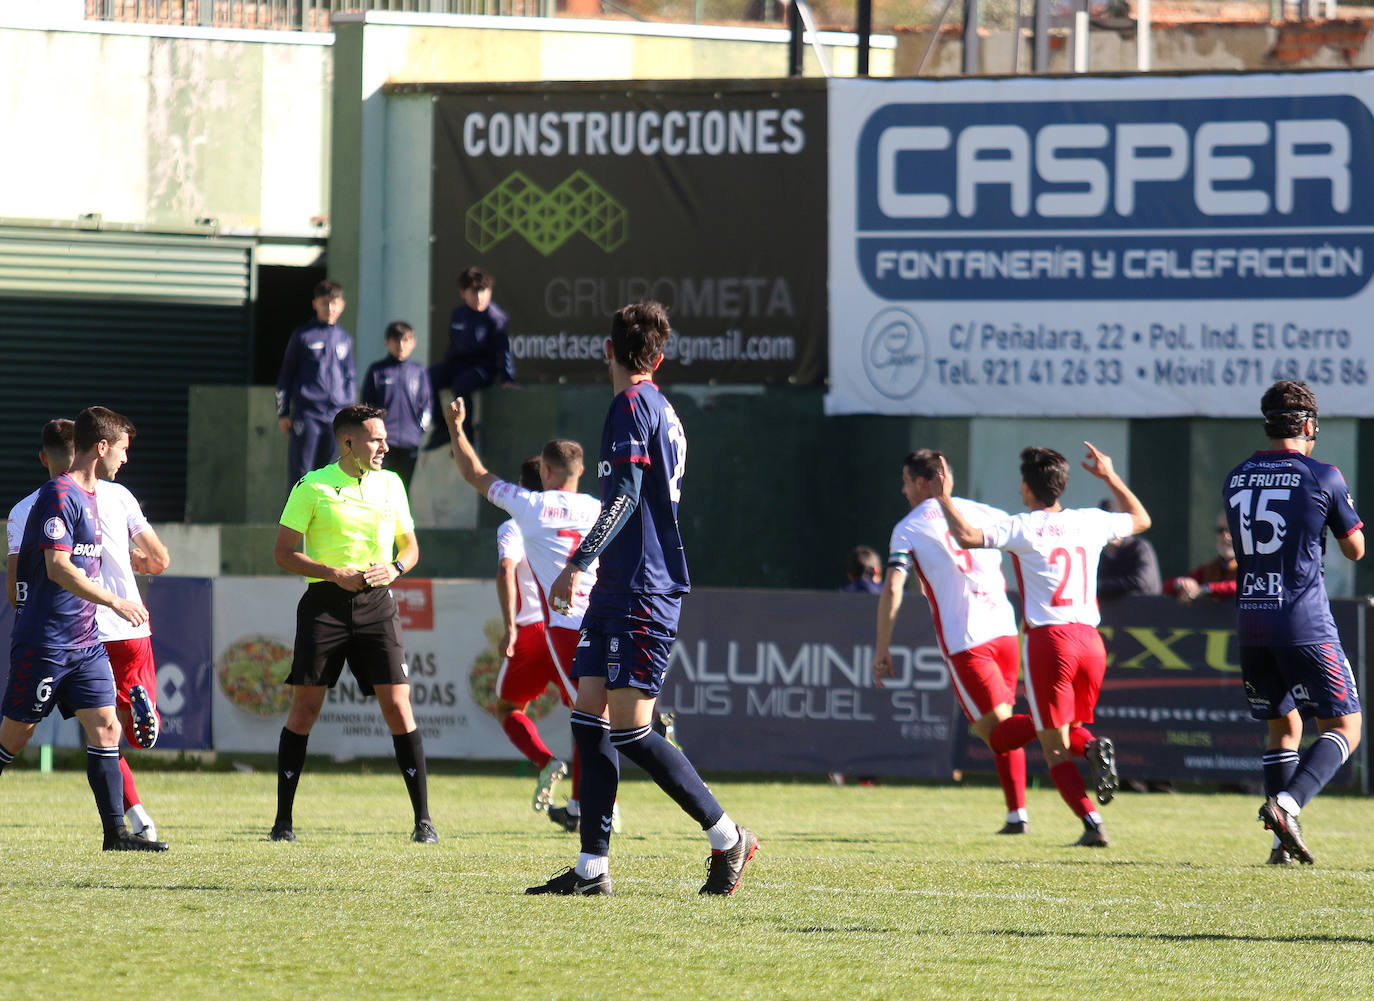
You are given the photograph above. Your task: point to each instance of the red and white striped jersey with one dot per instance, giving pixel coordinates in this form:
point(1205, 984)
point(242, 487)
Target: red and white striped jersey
point(965, 587)
point(510, 545)
point(1055, 554)
point(552, 524)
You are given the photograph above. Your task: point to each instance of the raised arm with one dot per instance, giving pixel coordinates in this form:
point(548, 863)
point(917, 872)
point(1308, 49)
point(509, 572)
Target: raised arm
point(968, 536)
point(469, 465)
point(1099, 463)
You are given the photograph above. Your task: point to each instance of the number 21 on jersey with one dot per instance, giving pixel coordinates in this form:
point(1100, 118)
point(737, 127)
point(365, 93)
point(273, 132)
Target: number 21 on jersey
point(1064, 593)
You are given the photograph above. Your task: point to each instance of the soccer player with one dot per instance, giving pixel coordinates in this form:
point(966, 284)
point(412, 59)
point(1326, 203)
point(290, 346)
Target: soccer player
point(551, 522)
point(349, 515)
point(1279, 504)
point(56, 658)
point(1055, 552)
point(128, 540)
point(632, 615)
point(974, 621)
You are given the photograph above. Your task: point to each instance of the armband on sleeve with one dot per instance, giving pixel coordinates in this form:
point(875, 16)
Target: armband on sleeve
point(614, 513)
point(899, 561)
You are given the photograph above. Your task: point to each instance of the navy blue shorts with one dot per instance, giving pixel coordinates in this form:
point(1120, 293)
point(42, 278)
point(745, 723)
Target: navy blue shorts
point(1315, 679)
point(626, 640)
point(43, 676)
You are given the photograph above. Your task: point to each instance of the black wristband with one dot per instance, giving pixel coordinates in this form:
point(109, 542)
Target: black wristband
point(400, 568)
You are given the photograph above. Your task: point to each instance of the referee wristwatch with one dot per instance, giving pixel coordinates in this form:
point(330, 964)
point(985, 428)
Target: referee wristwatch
point(400, 568)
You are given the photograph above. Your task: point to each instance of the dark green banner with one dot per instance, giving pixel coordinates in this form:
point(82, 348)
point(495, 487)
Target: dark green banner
point(709, 197)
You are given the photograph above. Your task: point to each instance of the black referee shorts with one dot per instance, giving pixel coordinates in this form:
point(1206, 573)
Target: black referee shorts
point(362, 628)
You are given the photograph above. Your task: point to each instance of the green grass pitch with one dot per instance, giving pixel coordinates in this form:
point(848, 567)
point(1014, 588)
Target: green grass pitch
point(890, 892)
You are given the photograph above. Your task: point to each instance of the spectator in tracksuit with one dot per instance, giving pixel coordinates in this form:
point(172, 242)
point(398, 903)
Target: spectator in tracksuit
point(318, 378)
point(401, 388)
point(478, 352)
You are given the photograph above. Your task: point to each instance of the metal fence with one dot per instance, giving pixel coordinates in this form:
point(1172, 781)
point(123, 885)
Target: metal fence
point(292, 15)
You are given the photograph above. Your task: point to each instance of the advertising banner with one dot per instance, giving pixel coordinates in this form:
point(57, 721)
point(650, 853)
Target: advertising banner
point(782, 681)
point(452, 630)
point(1173, 702)
point(579, 199)
point(179, 610)
point(1138, 247)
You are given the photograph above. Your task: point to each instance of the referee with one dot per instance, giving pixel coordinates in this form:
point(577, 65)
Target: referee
point(348, 515)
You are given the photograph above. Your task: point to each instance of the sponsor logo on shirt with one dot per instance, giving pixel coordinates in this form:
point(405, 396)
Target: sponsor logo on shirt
point(86, 549)
point(56, 528)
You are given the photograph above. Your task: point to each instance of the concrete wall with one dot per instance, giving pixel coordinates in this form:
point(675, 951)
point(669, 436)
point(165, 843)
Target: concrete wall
point(1195, 46)
point(164, 130)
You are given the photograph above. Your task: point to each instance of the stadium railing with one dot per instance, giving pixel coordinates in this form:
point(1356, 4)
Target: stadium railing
point(292, 15)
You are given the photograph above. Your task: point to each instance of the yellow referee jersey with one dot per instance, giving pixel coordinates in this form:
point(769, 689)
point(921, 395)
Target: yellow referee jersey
point(348, 522)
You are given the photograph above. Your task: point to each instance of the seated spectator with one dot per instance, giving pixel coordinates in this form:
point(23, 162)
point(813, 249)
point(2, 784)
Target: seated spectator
point(865, 571)
point(1126, 566)
point(1214, 579)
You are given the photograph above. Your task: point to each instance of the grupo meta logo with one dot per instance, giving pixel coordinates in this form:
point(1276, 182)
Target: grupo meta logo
point(895, 353)
point(1179, 198)
point(547, 219)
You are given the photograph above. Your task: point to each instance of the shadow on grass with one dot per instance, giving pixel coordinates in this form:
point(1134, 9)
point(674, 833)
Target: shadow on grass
point(1185, 937)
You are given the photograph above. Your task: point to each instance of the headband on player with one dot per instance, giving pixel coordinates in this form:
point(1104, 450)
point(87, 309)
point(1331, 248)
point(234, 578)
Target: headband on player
point(1276, 427)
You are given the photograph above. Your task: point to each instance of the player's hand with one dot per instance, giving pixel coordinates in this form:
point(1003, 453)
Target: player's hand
point(456, 412)
point(351, 580)
point(882, 667)
point(561, 594)
point(379, 575)
point(1098, 463)
point(285, 425)
point(131, 612)
point(508, 640)
point(1187, 589)
point(138, 561)
point(944, 479)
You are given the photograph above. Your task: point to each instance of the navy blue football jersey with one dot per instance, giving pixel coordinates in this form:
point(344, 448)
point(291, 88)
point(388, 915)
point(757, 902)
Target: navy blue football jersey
point(646, 555)
point(1279, 505)
point(64, 517)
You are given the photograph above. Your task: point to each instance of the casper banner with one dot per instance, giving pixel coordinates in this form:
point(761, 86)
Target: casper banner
point(1112, 247)
point(451, 630)
point(579, 199)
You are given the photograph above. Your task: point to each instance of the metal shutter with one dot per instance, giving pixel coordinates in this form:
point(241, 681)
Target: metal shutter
point(127, 320)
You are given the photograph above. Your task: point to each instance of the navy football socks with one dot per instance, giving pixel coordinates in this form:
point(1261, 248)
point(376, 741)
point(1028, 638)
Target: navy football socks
point(672, 771)
point(1317, 767)
point(600, 781)
point(1279, 766)
point(102, 772)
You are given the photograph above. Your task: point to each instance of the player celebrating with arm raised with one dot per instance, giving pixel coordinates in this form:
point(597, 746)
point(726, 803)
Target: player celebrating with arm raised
point(974, 622)
point(632, 616)
point(1279, 504)
point(551, 522)
point(1056, 551)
